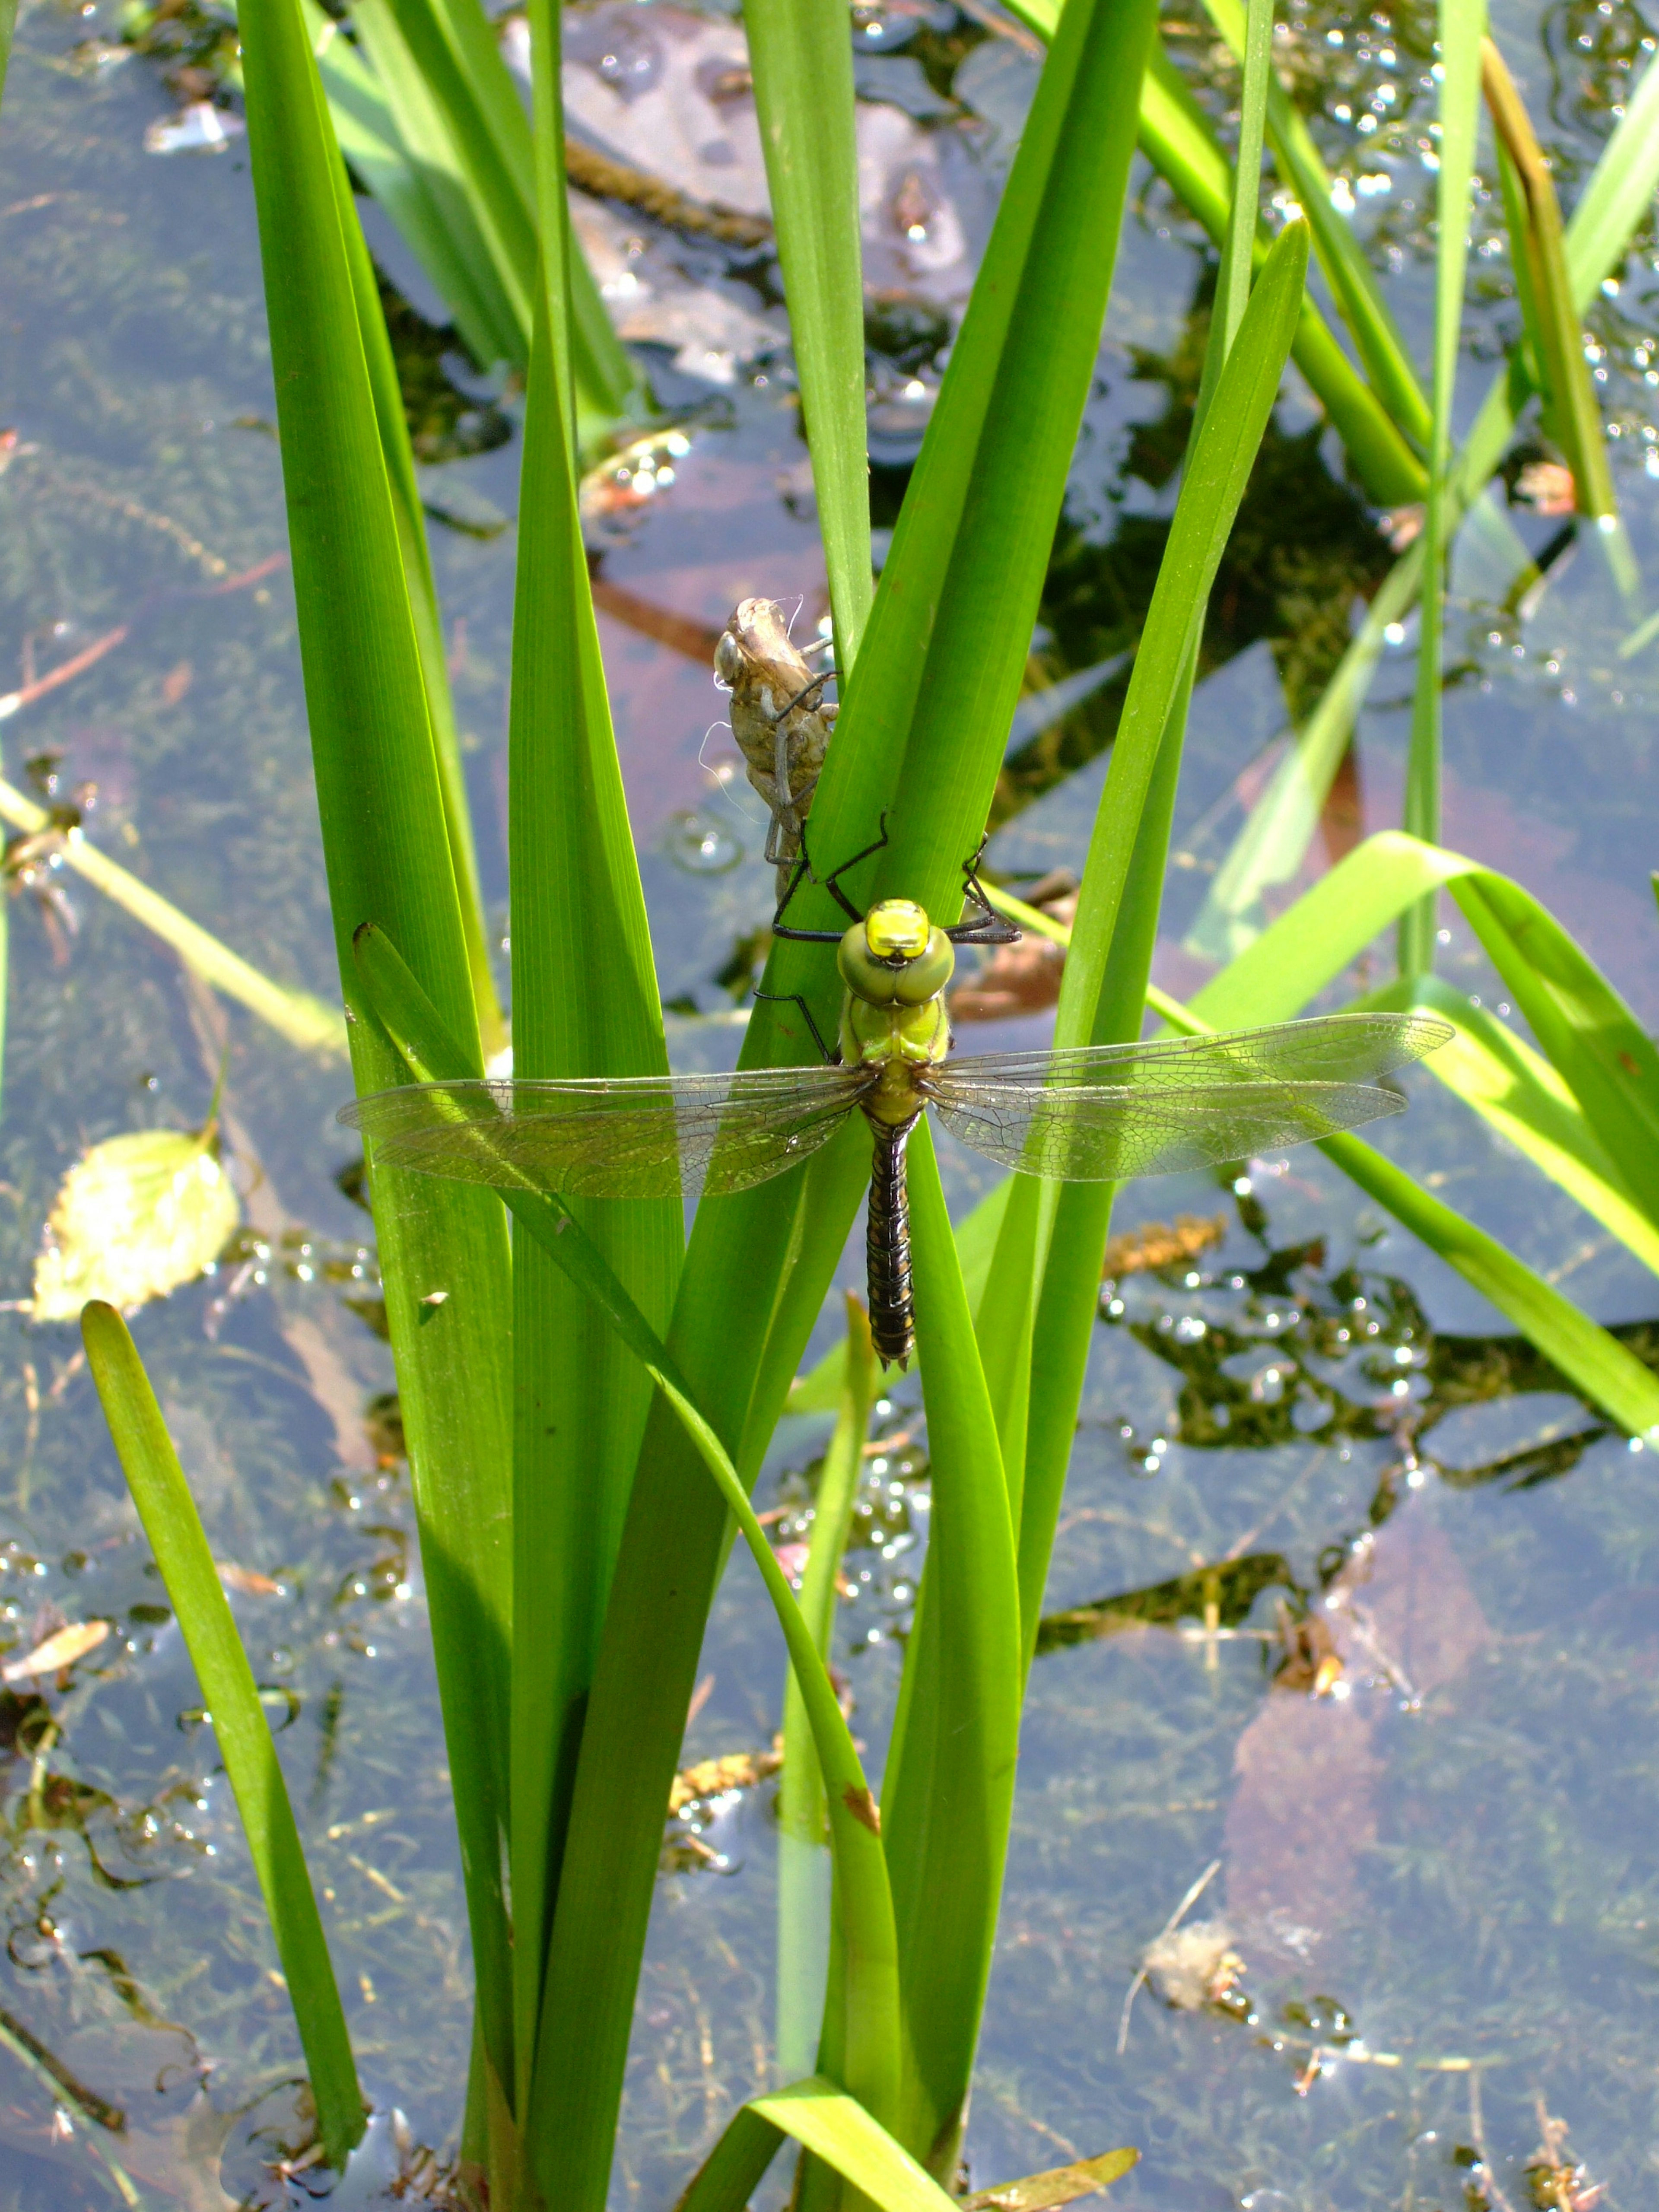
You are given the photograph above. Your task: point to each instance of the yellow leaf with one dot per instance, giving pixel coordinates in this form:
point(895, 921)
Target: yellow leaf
point(62, 1650)
point(134, 1219)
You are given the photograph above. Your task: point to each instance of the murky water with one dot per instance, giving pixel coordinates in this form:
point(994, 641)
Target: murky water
point(1442, 1881)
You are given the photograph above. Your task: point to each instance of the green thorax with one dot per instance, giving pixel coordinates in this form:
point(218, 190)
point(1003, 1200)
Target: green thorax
point(895, 967)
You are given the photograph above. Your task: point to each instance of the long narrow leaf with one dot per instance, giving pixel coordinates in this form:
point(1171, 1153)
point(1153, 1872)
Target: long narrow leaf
point(1538, 248)
point(1311, 944)
point(423, 610)
point(1029, 317)
point(1518, 1092)
point(1179, 140)
point(1461, 24)
point(386, 845)
point(192, 1581)
point(584, 1004)
point(950, 1783)
point(1341, 256)
point(803, 1867)
point(801, 54)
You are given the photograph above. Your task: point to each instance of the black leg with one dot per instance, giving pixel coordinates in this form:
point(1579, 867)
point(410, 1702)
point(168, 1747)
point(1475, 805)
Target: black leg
point(832, 881)
point(806, 690)
point(990, 927)
point(794, 999)
point(830, 884)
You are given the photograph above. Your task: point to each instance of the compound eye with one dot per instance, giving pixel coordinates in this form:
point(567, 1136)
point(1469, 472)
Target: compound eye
point(865, 976)
point(927, 976)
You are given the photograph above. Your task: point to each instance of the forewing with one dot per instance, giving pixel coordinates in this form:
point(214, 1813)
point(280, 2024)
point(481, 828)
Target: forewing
point(646, 1137)
point(1330, 1049)
point(1098, 1133)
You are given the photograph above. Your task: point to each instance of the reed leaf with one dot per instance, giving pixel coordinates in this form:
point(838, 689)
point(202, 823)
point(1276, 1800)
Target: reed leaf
point(802, 60)
point(1178, 139)
point(1308, 947)
point(584, 1004)
point(951, 1770)
point(1463, 23)
point(803, 1866)
point(186, 1564)
point(825, 2121)
point(398, 143)
point(303, 1020)
point(1517, 1092)
point(1019, 374)
point(1538, 252)
point(428, 620)
point(1342, 258)
point(386, 842)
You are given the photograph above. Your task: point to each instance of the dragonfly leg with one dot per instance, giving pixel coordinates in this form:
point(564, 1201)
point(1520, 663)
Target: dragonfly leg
point(794, 999)
point(986, 926)
point(784, 816)
point(806, 692)
point(829, 883)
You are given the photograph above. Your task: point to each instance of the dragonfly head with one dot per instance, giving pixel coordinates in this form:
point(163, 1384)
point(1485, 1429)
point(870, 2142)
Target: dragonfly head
point(896, 956)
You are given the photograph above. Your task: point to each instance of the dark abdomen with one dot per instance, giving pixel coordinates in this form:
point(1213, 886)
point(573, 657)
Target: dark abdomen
point(887, 1241)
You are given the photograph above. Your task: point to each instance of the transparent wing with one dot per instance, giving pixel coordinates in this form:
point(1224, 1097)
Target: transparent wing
point(1106, 1112)
point(1103, 1136)
point(1330, 1049)
point(646, 1137)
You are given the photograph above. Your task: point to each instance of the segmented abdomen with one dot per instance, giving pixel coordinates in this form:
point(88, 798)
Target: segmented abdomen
point(887, 1242)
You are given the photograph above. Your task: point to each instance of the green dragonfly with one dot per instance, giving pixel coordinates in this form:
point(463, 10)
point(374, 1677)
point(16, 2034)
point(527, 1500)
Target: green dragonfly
point(1102, 1113)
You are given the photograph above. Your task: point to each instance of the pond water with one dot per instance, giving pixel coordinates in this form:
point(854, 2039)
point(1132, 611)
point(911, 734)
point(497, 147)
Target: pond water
point(1444, 1882)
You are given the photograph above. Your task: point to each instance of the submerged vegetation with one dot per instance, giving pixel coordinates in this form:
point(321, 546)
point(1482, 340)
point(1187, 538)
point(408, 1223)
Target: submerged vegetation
point(588, 1392)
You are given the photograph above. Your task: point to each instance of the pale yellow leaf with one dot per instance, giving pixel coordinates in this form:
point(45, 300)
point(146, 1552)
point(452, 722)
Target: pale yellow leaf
point(134, 1217)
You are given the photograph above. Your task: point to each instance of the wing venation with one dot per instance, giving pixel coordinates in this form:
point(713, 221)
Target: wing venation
point(646, 1137)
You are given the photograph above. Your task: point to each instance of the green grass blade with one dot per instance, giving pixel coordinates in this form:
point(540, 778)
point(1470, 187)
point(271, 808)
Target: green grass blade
point(1597, 1364)
point(1462, 25)
point(1217, 472)
point(428, 621)
point(1179, 140)
point(584, 1004)
point(593, 365)
point(186, 1564)
point(803, 1866)
point(834, 2127)
point(1076, 1221)
point(801, 54)
point(1071, 170)
point(1306, 949)
point(1538, 248)
point(304, 1020)
point(1341, 256)
point(1056, 2184)
point(950, 1783)
point(1515, 1090)
point(1269, 849)
point(1619, 196)
point(493, 162)
point(1589, 1035)
point(398, 140)
point(386, 845)
point(734, 2170)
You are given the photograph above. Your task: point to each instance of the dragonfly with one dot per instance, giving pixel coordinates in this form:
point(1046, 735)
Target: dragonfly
point(1095, 1113)
point(780, 719)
